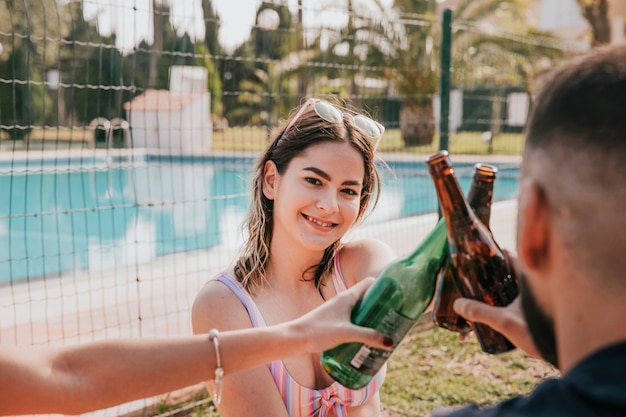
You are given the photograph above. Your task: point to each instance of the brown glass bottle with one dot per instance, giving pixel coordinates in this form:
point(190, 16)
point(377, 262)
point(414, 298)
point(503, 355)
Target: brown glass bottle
point(479, 198)
point(480, 266)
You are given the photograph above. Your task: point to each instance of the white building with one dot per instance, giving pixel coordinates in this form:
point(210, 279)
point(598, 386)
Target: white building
point(176, 120)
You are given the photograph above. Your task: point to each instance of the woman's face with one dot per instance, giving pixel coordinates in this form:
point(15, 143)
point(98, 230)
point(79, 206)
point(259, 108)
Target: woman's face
point(316, 199)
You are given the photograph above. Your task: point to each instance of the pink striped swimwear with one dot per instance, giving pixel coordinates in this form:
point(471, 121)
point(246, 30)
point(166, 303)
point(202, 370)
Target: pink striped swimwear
point(302, 401)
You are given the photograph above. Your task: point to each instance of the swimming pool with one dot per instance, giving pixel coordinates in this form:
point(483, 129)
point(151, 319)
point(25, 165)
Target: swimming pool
point(63, 215)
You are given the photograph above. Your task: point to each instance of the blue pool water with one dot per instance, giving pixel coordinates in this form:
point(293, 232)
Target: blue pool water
point(89, 214)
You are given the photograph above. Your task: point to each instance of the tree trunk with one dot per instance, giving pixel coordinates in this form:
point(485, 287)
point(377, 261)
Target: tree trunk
point(302, 81)
point(417, 124)
point(157, 44)
point(596, 12)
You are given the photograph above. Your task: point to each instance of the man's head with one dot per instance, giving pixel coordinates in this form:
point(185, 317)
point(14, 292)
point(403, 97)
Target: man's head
point(572, 205)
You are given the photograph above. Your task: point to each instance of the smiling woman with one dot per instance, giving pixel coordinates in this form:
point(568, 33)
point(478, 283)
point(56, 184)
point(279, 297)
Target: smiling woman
point(315, 180)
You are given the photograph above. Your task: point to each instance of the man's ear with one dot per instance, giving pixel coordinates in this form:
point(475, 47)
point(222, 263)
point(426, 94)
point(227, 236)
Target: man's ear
point(270, 177)
point(533, 228)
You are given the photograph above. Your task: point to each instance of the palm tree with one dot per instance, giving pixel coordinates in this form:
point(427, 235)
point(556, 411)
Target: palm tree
point(156, 50)
point(25, 56)
point(252, 90)
point(482, 54)
point(360, 50)
point(497, 62)
point(416, 70)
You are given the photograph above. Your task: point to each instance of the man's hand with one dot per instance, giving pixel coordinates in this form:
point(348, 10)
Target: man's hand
point(507, 320)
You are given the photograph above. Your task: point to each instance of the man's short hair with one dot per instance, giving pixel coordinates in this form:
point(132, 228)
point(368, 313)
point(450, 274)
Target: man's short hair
point(584, 104)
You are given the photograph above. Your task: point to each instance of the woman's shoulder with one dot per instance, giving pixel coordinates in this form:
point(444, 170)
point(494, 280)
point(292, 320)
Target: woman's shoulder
point(215, 287)
point(217, 306)
point(366, 246)
point(364, 258)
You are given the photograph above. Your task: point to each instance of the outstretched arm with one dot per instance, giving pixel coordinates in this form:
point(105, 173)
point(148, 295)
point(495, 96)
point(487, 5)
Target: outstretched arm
point(90, 376)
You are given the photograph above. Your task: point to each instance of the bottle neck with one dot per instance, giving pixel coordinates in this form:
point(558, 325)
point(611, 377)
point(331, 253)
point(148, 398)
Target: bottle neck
point(433, 245)
point(479, 199)
point(451, 199)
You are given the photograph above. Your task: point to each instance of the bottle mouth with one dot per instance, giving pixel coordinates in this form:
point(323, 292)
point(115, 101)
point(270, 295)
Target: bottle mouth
point(485, 171)
point(437, 157)
point(439, 163)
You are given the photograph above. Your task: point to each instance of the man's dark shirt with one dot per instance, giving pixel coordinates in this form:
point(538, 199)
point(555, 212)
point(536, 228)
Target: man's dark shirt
point(596, 387)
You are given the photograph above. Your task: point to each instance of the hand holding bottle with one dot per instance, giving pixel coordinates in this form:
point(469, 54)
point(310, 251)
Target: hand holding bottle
point(507, 320)
point(392, 305)
point(481, 269)
point(328, 325)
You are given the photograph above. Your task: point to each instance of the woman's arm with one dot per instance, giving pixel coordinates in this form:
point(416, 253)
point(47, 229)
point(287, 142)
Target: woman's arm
point(252, 392)
point(90, 376)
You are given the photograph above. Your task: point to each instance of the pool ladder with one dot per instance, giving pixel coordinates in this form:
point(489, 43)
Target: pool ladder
point(111, 128)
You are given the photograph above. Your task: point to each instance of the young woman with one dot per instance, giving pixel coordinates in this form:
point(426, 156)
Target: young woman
point(315, 180)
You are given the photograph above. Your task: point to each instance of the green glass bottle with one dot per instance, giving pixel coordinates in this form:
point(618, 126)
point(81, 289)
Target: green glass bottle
point(481, 268)
point(392, 305)
point(479, 199)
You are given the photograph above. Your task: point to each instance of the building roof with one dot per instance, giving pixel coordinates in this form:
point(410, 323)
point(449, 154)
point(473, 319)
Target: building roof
point(162, 100)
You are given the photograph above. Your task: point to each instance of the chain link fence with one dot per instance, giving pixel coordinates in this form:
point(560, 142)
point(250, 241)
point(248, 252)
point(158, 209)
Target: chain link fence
point(128, 131)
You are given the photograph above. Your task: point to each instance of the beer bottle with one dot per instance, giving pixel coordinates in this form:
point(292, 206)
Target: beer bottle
point(479, 198)
point(480, 266)
point(392, 305)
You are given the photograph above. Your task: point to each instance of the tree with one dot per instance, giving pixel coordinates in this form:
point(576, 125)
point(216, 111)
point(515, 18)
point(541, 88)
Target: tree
point(38, 24)
point(416, 66)
point(489, 55)
point(34, 27)
point(212, 25)
point(342, 61)
point(93, 66)
point(596, 12)
point(496, 52)
point(23, 95)
point(482, 55)
point(250, 79)
point(159, 9)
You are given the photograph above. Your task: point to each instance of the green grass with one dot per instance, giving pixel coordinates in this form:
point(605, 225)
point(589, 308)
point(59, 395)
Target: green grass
point(431, 368)
point(62, 134)
point(254, 139)
point(459, 143)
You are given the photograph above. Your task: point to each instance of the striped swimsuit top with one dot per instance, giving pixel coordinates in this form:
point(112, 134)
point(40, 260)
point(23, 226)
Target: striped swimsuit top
point(301, 401)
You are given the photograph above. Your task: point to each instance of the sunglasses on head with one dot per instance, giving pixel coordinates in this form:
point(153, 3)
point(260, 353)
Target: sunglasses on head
point(333, 114)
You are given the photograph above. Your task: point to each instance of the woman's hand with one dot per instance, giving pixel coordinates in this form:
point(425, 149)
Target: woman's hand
point(329, 325)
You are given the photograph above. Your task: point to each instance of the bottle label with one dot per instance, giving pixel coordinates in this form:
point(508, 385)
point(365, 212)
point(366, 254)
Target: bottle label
point(369, 360)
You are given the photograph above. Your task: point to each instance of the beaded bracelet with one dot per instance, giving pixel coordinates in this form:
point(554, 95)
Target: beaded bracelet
point(219, 371)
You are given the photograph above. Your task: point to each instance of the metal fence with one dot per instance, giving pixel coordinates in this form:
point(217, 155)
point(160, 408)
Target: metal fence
point(125, 151)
